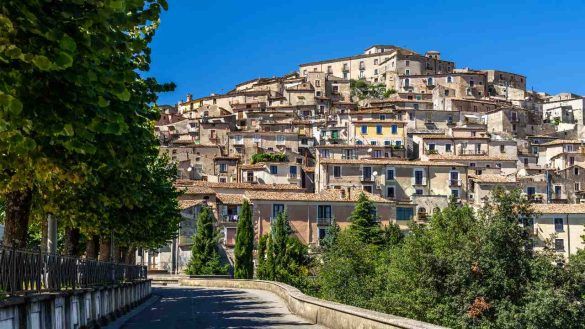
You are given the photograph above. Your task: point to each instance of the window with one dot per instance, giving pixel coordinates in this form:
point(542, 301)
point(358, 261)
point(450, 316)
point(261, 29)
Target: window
point(367, 173)
point(559, 245)
point(577, 186)
point(455, 193)
point(277, 208)
point(364, 129)
point(250, 176)
point(335, 89)
point(373, 142)
point(382, 117)
point(576, 171)
point(379, 129)
point(447, 147)
point(336, 171)
point(222, 180)
point(390, 192)
point(394, 129)
point(415, 106)
point(403, 213)
point(324, 211)
point(446, 92)
point(502, 149)
point(367, 188)
point(223, 167)
point(431, 147)
point(449, 79)
point(317, 83)
point(418, 191)
point(398, 143)
point(387, 143)
point(376, 71)
point(418, 177)
point(318, 94)
point(430, 81)
point(324, 153)
point(376, 61)
point(273, 170)
point(407, 63)
point(280, 139)
point(390, 174)
point(525, 161)
point(292, 171)
point(531, 190)
point(329, 69)
point(406, 72)
point(362, 74)
point(322, 233)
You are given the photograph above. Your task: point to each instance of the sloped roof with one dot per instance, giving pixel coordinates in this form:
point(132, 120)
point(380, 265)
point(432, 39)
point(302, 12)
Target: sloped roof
point(330, 195)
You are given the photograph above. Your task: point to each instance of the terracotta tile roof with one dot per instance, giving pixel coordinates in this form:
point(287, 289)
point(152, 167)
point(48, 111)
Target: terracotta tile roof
point(226, 158)
point(561, 141)
point(232, 199)
point(198, 184)
point(493, 178)
point(256, 166)
point(471, 157)
point(395, 162)
point(330, 195)
point(432, 136)
point(559, 208)
point(197, 190)
point(378, 121)
point(184, 204)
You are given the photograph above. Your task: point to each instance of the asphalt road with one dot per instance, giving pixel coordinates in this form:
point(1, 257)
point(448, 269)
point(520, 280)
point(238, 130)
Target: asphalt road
point(188, 307)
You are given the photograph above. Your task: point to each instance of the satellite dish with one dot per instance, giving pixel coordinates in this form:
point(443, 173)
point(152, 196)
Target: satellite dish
point(190, 168)
point(370, 149)
point(375, 173)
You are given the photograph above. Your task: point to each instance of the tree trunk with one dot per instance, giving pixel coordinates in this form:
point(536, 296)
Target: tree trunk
point(130, 256)
point(91, 247)
point(44, 234)
point(105, 249)
point(18, 206)
point(122, 254)
point(72, 236)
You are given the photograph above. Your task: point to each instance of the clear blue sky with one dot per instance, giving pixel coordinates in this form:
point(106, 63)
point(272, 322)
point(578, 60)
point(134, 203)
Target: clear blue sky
point(209, 46)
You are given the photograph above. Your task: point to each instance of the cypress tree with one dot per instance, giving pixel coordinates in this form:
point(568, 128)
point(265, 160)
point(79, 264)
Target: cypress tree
point(244, 266)
point(364, 220)
point(204, 255)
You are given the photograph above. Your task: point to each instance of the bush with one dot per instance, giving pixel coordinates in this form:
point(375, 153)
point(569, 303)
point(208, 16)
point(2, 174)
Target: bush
point(268, 157)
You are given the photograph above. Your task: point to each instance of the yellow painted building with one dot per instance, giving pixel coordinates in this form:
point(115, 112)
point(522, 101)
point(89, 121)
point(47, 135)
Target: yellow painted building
point(379, 132)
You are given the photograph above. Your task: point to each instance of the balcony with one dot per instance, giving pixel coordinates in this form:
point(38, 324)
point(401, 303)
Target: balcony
point(367, 178)
point(419, 182)
point(324, 221)
point(292, 178)
point(535, 198)
point(229, 218)
point(472, 152)
point(349, 156)
point(454, 182)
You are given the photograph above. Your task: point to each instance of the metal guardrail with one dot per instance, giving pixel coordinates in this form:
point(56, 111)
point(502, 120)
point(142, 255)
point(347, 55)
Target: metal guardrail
point(24, 271)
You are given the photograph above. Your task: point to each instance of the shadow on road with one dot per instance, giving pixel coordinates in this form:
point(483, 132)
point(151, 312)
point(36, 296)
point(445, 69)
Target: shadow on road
point(186, 307)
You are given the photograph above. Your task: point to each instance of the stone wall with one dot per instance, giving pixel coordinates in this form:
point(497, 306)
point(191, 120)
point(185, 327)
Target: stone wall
point(325, 313)
point(83, 308)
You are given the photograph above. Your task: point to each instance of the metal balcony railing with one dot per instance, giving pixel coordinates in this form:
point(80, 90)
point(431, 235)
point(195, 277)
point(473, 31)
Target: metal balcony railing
point(24, 271)
point(324, 221)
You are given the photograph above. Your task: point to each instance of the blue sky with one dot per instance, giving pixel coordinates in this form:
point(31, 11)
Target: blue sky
point(209, 46)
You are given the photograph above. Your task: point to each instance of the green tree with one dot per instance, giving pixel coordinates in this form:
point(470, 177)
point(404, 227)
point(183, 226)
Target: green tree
point(70, 80)
point(243, 251)
point(283, 257)
point(364, 220)
point(204, 255)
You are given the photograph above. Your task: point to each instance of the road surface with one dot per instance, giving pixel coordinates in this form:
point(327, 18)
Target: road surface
point(191, 307)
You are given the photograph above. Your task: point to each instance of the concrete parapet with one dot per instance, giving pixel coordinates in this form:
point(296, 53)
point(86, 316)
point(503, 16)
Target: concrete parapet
point(83, 308)
point(318, 311)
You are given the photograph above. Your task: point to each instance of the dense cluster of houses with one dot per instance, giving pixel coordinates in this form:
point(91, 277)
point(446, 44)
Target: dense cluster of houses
point(305, 143)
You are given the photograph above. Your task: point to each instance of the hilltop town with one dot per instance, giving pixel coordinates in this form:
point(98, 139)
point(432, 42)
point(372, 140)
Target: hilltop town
point(412, 131)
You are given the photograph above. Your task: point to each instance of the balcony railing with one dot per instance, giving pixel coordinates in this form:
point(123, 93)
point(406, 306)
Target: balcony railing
point(24, 271)
point(367, 178)
point(350, 156)
point(454, 182)
point(472, 152)
point(324, 221)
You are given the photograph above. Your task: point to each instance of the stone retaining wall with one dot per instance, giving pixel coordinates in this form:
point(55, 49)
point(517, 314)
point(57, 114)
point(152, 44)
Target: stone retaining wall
point(325, 313)
point(84, 308)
